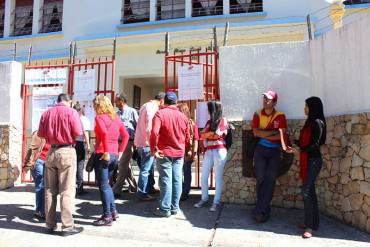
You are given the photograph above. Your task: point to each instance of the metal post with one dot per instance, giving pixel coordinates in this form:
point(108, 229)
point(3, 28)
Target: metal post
point(70, 52)
point(74, 52)
point(167, 43)
point(114, 47)
point(309, 27)
point(15, 52)
point(29, 55)
point(226, 35)
point(215, 37)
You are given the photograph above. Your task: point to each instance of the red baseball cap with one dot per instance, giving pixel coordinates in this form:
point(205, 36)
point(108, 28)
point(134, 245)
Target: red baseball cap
point(271, 95)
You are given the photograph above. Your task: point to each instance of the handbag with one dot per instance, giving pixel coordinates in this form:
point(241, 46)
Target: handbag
point(90, 163)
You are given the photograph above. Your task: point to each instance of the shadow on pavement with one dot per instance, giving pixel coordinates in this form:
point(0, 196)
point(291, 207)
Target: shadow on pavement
point(285, 221)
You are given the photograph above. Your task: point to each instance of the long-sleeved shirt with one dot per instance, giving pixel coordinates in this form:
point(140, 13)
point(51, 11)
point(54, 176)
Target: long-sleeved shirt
point(60, 125)
point(317, 131)
point(129, 117)
point(170, 132)
point(108, 131)
point(144, 124)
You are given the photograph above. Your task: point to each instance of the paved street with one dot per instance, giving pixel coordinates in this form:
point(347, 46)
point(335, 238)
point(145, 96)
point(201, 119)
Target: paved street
point(138, 227)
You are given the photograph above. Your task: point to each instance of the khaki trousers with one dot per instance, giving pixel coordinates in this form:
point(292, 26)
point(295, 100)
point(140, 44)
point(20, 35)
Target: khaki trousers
point(60, 178)
point(124, 170)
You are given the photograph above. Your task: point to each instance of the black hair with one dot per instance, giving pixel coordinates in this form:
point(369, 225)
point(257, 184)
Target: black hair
point(63, 97)
point(159, 96)
point(122, 97)
point(215, 114)
point(316, 111)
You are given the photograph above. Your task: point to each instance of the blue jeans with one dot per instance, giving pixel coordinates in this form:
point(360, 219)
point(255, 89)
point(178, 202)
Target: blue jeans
point(213, 158)
point(170, 183)
point(186, 184)
point(146, 175)
point(266, 168)
point(38, 177)
point(311, 208)
point(102, 172)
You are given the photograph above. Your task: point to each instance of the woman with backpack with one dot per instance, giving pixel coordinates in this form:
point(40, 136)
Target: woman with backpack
point(215, 156)
point(108, 129)
point(191, 150)
point(313, 135)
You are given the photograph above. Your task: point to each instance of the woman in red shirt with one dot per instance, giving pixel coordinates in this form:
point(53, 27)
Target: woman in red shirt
point(108, 129)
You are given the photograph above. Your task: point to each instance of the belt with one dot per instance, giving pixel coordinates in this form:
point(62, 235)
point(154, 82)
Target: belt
point(56, 146)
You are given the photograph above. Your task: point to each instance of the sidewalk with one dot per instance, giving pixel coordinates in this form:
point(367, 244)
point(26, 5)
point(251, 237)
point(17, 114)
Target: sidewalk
point(137, 226)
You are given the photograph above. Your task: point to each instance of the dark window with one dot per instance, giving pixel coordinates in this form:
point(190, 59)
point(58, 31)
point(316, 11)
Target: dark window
point(207, 7)
point(245, 6)
point(135, 11)
point(2, 15)
point(350, 2)
point(23, 18)
point(170, 9)
point(52, 16)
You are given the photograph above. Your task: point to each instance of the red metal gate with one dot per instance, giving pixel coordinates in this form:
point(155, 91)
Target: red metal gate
point(105, 70)
point(209, 59)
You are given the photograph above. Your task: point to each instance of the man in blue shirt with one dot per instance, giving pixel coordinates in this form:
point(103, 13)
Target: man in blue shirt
point(129, 117)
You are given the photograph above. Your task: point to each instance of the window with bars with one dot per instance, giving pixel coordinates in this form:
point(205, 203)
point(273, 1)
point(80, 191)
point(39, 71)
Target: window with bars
point(2, 16)
point(245, 6)
point(170, 9)
point(207, 7)
point(23, 17)
point(52, 16)
point(135, 11)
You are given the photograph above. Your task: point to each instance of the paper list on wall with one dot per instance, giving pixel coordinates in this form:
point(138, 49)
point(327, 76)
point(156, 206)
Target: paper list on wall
point(190, 82)
point(84, 85)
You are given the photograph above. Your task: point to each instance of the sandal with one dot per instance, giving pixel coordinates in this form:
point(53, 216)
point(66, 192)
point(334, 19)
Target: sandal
point(307, 233)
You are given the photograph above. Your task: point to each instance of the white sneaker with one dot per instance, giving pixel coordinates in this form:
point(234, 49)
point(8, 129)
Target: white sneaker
point(200, 204)
point(214, 207)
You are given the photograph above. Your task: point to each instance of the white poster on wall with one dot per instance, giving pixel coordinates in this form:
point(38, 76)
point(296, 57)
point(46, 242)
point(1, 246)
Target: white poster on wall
point(45, 91)
point(202, 114)
point(84, 85)
point(190, 82)
point(45, 76)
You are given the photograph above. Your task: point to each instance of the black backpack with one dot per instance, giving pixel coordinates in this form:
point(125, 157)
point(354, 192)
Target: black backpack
point(229, 135)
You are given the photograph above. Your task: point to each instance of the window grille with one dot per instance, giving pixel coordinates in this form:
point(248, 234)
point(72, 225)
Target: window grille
point(170, 9)
point(52, 16)
point(207, 7)
point(245, 6)
point(23, 17)
point(135, 11)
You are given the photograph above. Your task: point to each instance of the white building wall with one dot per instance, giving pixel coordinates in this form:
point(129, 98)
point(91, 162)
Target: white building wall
point(340, 65)
point(248, 71)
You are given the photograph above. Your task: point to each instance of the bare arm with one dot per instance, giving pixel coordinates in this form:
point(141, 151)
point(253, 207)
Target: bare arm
point(271, 135)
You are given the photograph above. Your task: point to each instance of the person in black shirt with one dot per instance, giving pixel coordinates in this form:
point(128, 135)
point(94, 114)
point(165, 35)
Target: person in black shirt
point(312, 136)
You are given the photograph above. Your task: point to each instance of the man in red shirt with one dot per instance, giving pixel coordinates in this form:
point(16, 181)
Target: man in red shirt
point(170, 132)
point(266, 125)
point(60, 126)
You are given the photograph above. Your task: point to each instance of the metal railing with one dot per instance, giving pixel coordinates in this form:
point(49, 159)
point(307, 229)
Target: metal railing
point(207, 7)
point(245, 6)
point(23, 17)
point(170, 9)
point(135, 11)
point(52, 16)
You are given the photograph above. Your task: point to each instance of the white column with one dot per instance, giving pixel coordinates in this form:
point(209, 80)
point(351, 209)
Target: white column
point(226, 8)
point(9, 17)
point(188, 8)
point(37, 15)
point(153, 10)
